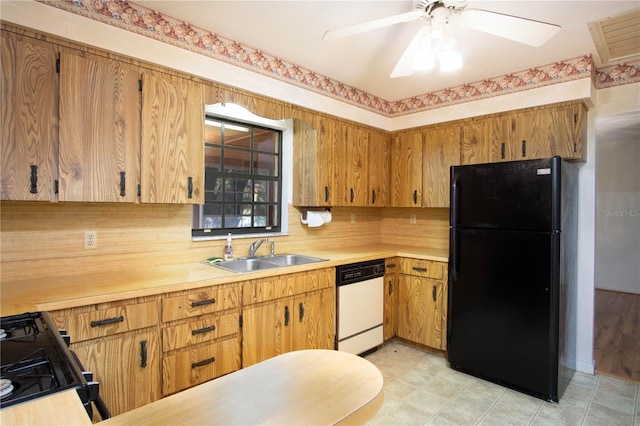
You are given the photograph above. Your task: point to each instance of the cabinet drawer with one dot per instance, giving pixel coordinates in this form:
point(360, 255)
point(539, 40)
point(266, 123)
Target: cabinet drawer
point(199, 331)
point(106, 321)
point(201, 301)
point(272, 288)
point(189, 367)
point(422, 268)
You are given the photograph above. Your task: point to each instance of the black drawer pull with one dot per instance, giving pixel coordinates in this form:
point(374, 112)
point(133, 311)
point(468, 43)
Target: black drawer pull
point(203, 362)
point(419, 269)
point(143, 353)
point(203, 330)
point(107, 321)
point(203, 302)
point(390, 265)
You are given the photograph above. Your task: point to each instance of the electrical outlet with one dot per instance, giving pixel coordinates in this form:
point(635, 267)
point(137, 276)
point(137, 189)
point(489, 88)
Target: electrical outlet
point(90, 239)
point(412, 218)
point(353, 218)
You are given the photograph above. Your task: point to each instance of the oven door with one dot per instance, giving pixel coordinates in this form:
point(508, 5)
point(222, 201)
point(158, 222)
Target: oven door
point(360, 315)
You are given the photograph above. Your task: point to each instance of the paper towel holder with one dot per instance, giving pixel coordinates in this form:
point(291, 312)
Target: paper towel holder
point(305, 210)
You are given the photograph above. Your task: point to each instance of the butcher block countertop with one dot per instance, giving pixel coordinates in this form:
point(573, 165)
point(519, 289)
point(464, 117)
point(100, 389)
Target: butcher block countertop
point(319, 387)
point(62, 408)
point(78, 289)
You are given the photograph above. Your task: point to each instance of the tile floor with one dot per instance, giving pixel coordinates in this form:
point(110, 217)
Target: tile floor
point(421, 389)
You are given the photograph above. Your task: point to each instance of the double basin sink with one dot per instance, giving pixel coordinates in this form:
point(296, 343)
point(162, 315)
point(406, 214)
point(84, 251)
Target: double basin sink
point(252, 264)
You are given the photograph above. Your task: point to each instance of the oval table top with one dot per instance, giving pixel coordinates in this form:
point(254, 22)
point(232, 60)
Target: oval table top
point(307, 387)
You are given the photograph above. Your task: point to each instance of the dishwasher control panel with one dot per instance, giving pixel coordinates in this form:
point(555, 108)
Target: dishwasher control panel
point(354, 272)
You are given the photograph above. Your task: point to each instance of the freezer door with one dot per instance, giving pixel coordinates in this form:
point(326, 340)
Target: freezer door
point(519, 195)
point(502, 317)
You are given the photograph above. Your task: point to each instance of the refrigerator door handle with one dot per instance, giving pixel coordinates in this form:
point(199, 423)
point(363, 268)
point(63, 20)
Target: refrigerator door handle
point(454, 254)
point(454, 202)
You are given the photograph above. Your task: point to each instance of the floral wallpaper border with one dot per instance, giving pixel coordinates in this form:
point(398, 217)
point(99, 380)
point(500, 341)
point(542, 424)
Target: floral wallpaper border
point(140, 20)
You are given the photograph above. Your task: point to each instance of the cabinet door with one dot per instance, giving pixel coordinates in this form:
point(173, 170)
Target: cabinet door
point(313, 322)
point(29, 118)
point(99, 129)
point(390, 299)
point(351, 165)
point(441, 151)
point(312, 165)
point(531, 131)
point(379, 170)
point(406, 170)
point(499, 138)
point(267, 331)
point(475, 148)
point(172, 168)
point(127, 366)
point(419, 317)
point(568, 130)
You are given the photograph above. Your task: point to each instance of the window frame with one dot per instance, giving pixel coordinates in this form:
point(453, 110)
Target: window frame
point(278, 202)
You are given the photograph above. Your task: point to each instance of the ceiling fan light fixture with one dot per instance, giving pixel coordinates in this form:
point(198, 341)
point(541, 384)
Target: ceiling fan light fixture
point(449, 58)
point(424, 59)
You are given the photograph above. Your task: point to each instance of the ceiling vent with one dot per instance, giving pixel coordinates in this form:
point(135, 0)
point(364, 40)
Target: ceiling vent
point(618, 37)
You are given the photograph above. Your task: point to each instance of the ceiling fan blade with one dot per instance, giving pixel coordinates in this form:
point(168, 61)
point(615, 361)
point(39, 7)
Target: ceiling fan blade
point(522, 30)
point(404, 66)
point(372, 25)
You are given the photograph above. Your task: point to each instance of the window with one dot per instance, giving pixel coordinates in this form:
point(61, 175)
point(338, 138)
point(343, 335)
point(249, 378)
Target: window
point(243, 179)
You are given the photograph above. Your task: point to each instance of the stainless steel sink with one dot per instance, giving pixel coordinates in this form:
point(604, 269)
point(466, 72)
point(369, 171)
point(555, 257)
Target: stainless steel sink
point(252, 264)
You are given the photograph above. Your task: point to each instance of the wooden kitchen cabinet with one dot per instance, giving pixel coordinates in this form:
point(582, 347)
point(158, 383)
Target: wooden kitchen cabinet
point(406, 169)
point(288, 312)
point(422, 302)
point(351, 161)
point(99, 154)
point(441, 150)
point(379, 169)
point(569, 130)
point(29, 118)
point(172, 148)
point(312, 164)
point(200, 336)
point(119, 342)
point(390, 298)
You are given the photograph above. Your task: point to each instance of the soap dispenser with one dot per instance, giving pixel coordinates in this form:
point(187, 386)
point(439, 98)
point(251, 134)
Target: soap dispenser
point(228, 249)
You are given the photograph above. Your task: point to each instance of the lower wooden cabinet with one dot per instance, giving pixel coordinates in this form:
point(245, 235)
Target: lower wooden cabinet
point(422, 295)
point(389, 325)
point(287, 313)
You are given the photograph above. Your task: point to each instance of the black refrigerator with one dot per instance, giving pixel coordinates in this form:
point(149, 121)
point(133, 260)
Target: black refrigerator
point(512, 274)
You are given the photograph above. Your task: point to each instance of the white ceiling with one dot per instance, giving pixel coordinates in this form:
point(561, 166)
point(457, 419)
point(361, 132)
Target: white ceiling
point(292, 30)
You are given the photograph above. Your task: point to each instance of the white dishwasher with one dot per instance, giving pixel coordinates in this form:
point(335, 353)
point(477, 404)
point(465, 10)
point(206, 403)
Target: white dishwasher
point(360, 306)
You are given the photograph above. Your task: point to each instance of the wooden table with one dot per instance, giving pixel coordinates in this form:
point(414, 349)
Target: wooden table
point(319, 387)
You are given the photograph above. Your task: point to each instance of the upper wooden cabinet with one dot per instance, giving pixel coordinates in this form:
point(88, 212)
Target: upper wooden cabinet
point(441, 150)
point(351, 165)
point(29, 118)
point(312, 164)
point(379, 169)
point(172, 151)
point(99, 155)
point(406, 169)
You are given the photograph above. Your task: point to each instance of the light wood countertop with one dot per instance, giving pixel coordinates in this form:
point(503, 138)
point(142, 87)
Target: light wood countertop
point(78, 289)
point(319, 387)
point(62, 408)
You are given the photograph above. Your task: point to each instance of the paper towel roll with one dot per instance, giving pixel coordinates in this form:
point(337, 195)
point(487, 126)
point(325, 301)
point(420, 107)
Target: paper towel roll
point(316, 219)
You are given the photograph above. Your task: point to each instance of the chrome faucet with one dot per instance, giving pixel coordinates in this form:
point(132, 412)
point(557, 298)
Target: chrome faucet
point(255, 246)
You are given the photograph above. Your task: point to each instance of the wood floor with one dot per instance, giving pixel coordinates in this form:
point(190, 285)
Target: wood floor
point(617, 335)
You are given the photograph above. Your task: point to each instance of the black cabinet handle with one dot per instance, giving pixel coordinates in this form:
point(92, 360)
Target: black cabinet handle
point(390, 287)
point(524, 148)
point(107, 321)
point(34, 179)
point(373, 196)
point(326, 194)
point(434, 293)
point(203, 330)
point(122, 184)
point(203, 362)
point(351, 199)
point(301, 312)
point(419, 269)
point(286, 316)
point(189, 187)
point(502, 150)
point(390, 265)
point(203, 302)
point(415, 196)
point(143, 353)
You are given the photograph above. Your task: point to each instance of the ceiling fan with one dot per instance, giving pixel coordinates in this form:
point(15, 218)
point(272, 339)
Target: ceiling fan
point(434, 40)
